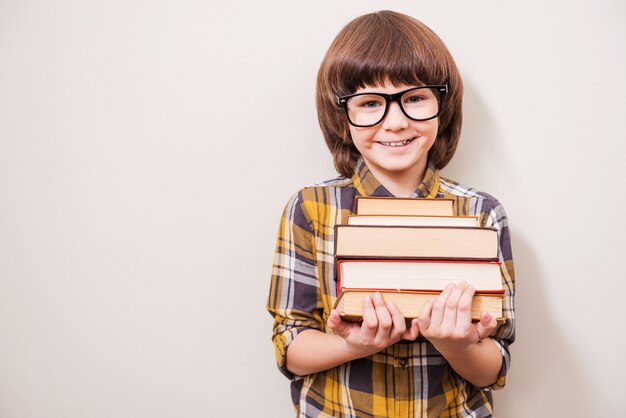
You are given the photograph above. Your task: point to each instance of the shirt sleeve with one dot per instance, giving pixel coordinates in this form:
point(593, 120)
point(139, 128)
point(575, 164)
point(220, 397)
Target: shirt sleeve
point(504, 335)
point(294, 300)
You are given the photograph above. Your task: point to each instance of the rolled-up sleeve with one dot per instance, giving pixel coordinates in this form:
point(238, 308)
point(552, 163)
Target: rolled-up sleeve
point(504, 335)
point(294, 300)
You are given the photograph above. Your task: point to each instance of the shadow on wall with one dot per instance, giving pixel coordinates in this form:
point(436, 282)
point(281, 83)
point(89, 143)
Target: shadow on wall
point(479, 153)
point(545, 379)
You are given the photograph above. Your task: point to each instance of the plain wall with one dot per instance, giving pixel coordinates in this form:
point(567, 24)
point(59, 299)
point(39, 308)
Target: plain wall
point(147, 149)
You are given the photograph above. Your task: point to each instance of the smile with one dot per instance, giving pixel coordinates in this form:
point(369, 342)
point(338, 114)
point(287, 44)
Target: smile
point(397, 144)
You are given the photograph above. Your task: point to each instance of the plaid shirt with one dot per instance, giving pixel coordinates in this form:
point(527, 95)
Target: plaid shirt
point(406, 379)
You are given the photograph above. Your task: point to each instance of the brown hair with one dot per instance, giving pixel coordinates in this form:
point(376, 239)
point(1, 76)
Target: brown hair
point(376, 48)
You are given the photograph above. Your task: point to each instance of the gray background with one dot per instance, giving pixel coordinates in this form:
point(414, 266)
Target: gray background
point(147, 149)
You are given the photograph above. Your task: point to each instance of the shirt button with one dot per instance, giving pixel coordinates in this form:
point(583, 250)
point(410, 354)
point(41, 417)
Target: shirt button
point(403, 362)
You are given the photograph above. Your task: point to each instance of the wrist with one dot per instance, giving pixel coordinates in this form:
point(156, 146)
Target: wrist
point(455, 350)
point(354, 351)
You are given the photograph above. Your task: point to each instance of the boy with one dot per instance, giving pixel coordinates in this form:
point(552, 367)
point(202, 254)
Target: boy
point(389, 105)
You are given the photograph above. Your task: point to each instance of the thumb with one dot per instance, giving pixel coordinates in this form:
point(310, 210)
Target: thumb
point(423, 319)
point(413, 331)
point(338, 325)
point(486, 325)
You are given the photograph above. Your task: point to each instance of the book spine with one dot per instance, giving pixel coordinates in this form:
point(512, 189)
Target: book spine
point(443, 260)
point(492, 292)
point(340, 288)
point(356, 257)
point(434, 292)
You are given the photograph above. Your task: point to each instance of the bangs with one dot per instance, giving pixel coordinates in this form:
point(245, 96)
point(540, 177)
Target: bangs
point(387, 52)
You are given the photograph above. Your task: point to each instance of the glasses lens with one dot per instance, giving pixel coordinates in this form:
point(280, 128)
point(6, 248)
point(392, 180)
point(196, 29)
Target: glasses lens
point(366, 109)
point(421, 103)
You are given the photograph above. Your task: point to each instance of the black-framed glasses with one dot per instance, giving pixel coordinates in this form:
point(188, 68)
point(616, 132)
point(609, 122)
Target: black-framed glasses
point(417, 103)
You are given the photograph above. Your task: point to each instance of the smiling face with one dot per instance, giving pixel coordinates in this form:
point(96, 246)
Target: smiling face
point(395, 150)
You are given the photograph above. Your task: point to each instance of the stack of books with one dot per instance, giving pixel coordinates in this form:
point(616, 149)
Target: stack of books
point(409, 250)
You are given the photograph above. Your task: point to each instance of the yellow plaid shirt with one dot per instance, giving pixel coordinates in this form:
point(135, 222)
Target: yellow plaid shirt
point(408, 379)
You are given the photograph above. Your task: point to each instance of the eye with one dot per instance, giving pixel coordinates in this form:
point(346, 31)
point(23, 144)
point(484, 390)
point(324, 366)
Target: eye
point(419, 97)
point(415, 98)
point(366, 102)
point(371, 103)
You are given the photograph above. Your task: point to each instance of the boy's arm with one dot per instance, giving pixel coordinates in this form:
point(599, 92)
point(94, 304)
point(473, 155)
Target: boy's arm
point(383, 325)
point(446, 322)
point(480, 364)
point(294, 300)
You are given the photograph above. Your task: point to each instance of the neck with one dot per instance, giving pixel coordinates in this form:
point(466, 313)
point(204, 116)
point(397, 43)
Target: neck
point(400, 184)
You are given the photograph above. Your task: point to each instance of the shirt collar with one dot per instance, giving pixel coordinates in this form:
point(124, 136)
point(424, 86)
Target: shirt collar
point(367, 185)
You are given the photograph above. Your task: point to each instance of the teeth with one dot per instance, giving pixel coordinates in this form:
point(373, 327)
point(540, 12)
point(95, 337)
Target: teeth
point(397, 144)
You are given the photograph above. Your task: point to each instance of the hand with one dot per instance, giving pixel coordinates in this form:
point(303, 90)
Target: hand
point(446, 321)
point(383, 325)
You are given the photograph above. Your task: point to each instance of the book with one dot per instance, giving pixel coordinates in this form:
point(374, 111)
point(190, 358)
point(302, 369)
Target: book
point(407, 220)
point(423, 275)
point(349, 303)
point(418, 242)
point(372, 205)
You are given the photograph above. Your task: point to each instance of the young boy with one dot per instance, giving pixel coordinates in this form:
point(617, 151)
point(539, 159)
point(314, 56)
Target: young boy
point(389, 104)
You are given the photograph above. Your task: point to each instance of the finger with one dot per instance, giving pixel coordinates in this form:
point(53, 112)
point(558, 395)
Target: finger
point(338, 325)
point(437, 314)
point(383, 315)
point(398, 326)
point(464, 308)
point(370, 320)
point(486, 325)
point(424, 317)
point(413, 332)
point(452, 303)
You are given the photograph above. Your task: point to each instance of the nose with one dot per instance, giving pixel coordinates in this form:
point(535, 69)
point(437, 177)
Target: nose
point(395, 119)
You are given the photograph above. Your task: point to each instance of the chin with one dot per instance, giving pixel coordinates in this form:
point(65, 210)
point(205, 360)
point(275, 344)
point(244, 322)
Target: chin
point(398, 168)
point(400, 164)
